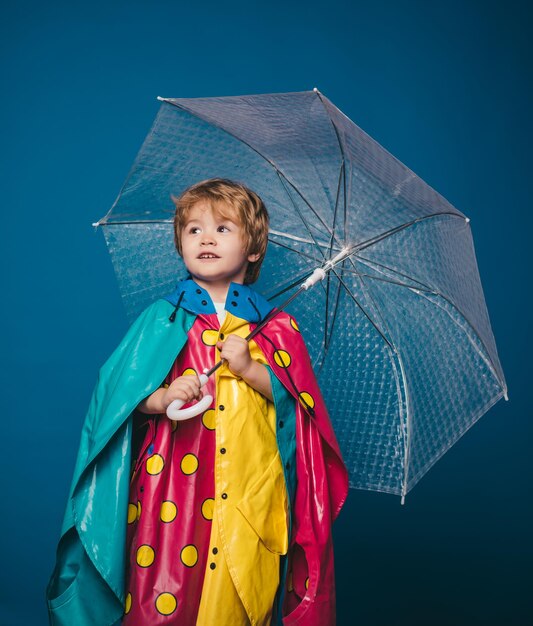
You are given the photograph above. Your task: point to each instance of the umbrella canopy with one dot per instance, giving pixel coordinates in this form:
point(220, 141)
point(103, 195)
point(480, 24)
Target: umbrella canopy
point(398, 332)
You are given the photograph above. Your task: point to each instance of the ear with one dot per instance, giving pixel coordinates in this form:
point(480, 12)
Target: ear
point(252, 258)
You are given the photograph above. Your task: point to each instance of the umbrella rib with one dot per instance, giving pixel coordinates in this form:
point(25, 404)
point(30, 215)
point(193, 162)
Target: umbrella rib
point(298, 252)
point(301, 217)
point(115, 222)
point(385, 280)
point(373, 301)
point(280, 173)
point(485, 357)
point(332, 238)
point(277, 233)
point(408, 428)
point(327, 340)
point(343, 155)
point(426, 288)
point(392, 270)
point(285, 289)
point(348, 290)
point(396, 229)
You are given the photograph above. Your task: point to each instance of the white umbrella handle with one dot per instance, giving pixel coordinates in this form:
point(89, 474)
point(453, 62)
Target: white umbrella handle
point(176, 413)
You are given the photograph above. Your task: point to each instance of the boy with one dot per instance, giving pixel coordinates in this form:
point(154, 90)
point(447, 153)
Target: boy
point(228, 514)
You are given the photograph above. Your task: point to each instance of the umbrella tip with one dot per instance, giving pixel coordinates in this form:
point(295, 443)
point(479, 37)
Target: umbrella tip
point(505, 396)
point(95, 224)
point(315, 90)
point(467, 219)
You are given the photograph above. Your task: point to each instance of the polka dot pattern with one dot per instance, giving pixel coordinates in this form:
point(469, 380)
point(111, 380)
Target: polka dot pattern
point(155, 464)
point(208, 507)
point(169, 511)
point(189, 555)
point(306, 400)
point(166, 603)
point(210, 337)
point(189, 464)
point(209, 419)
point(190, 371)
point(282, 358)
point(145, 555)
point(127, 604)
point(168, 559)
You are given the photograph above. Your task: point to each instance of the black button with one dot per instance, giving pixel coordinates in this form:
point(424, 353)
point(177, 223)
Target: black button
point(221, 407)
point(215, 550)
point(212, 565)
point(221, 336)
point(235, 293)
point(204, 302)
point(287, 465)
point(198, 291)
point(222, 450)
point(233, 304)
point(224, 496)
point(281, 423)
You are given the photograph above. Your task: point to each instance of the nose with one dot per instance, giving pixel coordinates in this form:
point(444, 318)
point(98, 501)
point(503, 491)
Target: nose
point(207, 239)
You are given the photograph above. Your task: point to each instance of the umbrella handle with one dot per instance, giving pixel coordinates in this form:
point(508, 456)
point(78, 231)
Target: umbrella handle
point(176, 413)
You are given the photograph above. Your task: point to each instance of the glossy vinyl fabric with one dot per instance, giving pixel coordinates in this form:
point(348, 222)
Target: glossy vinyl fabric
point(88, 584)
point(190, 549)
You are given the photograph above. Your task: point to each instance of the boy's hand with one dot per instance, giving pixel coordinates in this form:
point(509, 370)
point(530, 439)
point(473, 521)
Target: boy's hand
point(186, 388)
point(236, 351)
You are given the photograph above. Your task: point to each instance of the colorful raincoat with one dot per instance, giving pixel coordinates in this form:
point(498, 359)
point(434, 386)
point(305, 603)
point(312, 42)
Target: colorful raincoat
point(276, 521)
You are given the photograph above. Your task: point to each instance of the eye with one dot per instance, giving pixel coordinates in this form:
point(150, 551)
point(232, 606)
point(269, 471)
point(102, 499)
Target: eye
point(223, 229)
point(194, 230)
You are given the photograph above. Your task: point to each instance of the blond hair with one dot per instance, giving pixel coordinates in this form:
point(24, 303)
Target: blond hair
point(228, 199)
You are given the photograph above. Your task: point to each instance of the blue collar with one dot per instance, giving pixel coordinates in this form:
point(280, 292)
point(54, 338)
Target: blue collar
point(242, 301)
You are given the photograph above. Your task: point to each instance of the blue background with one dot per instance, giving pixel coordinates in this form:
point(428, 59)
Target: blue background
point(445, 87)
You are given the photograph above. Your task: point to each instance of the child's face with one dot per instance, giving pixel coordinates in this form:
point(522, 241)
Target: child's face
point(212, 248)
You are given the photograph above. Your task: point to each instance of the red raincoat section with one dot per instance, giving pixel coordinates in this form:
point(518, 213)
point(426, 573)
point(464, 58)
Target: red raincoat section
point(170, 511)
point(322, 480)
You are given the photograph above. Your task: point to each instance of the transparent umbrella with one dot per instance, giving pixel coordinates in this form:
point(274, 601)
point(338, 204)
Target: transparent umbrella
point(398, 330)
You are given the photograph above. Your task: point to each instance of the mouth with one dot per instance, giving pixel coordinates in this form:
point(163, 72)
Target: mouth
point(207, 255)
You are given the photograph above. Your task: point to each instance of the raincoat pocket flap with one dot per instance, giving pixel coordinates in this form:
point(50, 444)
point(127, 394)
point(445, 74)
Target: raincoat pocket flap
point(265, 508)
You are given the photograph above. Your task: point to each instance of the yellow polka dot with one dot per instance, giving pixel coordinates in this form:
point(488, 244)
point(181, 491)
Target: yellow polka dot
point(166, 603)
point(307, 583)
point(208, 419)
point(165, 385)
point(210, 337)
point(173, 424)
point(189, 555)
point(155, 464)
point(189, 464)
point(189, 372)
point(138, 509)
point(168, 511)
point(208, 506)
point(127, 604)
point(289, 582)
point(282, 358)
point(306, 399)
point(145, 555)
point(132, 513)
point(294, 325)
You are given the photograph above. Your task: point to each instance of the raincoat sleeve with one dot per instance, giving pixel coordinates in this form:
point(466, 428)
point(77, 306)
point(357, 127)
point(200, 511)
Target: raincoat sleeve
point(322, 480)
point(87, 585)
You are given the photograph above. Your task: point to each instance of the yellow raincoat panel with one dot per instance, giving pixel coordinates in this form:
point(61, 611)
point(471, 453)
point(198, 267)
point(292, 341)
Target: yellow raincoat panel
point(250, 519)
